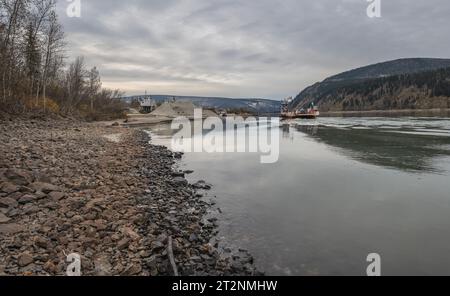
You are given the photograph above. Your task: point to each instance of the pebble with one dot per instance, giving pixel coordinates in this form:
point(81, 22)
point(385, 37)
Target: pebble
point(7, 202)
point(24, 259)
point(56, 196)
point(3, 218)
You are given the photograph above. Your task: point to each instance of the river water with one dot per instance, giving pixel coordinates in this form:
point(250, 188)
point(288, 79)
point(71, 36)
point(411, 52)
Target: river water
point(341, 189)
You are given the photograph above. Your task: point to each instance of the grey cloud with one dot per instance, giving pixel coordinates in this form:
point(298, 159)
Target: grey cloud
point(265, 48)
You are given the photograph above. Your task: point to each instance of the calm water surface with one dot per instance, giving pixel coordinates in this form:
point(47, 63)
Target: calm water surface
point(342, 188)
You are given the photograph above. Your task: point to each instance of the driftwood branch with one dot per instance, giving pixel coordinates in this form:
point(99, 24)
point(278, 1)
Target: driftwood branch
point(171, 257)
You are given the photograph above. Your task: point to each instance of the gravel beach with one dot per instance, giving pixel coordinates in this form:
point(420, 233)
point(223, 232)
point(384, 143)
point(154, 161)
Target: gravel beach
point(104, 193)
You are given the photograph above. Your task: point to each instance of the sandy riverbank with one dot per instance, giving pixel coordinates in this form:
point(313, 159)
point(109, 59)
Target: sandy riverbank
point(105, 193)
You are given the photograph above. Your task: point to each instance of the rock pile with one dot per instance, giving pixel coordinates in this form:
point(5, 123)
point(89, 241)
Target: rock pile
point(65, 188)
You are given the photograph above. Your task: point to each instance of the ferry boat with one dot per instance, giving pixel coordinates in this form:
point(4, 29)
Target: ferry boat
point(310, 113)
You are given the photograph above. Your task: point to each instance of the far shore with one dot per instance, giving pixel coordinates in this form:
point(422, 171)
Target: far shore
point(403, 112)
point(141, 120)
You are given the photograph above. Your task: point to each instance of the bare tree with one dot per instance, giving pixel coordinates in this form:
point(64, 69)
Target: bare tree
point(39, 14)
point(32, 64)
point(12, 11)
point(94, 86)
point(32, 56)
point(75, 80)
point(54, 45)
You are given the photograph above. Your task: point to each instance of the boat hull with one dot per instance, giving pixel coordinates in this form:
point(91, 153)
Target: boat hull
point(300, 116)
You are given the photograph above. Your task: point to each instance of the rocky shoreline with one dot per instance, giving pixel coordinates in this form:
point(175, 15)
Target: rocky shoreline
point(108, 195)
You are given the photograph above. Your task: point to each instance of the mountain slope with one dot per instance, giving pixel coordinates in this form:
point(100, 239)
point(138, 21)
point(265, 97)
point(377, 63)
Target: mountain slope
point(391, 68)
point(249, 105)
point(399, 84)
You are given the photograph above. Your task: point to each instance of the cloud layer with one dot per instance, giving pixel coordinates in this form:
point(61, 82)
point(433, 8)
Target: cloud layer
point(254, 48)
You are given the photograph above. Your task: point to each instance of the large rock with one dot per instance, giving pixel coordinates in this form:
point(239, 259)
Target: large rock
point(56, 195)
point(127, 231)
point(41, 242)
point(8, 202)
point(27, 198)
point(43, 177)
point(50, 267)
point(179, 181)
point(178, 174)
point(11, 228)
point(16, 195)
point(94, 203)
point(3, 218)
point(100, 224)
point(123, 244)
point(44, 187)
point(202, 185)
point(9, 187)
point(102, 266)
point(24, 259)
point(19, 177)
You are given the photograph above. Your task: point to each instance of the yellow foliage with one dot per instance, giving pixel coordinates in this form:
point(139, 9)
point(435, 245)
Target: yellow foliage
point(49, 104)
point(84, 108)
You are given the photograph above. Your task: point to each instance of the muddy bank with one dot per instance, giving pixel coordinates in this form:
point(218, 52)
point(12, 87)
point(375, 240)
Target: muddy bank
point(106, 194)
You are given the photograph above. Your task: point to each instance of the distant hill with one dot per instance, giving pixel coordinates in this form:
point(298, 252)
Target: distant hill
point(401, 84)
point(249, 105)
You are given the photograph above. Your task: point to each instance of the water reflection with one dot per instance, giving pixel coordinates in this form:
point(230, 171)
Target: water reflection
point(342, 189)
point(406, 149)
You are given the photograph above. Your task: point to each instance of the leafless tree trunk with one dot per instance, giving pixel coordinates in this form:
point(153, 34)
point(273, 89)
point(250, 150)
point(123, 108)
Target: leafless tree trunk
point(12, 13)
point(94, 86)
point(39, 16)
point(54, 44)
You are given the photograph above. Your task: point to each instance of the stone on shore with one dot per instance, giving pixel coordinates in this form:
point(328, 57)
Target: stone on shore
point(56, 195)
point(4, 219)
point(19, 177)
point(44, 187)
point(201, 185)
point(24, 259)
point(7, 202)
point(11, 228)
point(66, 188)
point(9, 188)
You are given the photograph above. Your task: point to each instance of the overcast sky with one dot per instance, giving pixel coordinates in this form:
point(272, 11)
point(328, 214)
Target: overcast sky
point(247, 48)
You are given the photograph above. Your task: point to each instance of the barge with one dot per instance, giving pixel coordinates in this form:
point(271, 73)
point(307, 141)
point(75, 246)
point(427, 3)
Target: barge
point(312, 112)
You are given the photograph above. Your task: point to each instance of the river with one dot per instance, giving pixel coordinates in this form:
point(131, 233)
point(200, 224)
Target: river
point(341, 189)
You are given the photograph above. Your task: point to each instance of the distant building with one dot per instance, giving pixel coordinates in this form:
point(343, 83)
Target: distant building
point(147, 105)
point(222, 112)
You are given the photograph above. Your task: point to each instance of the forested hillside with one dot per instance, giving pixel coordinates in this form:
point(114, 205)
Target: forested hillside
point(354, 91)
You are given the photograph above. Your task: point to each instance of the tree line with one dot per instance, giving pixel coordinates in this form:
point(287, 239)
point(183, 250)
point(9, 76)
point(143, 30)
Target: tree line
point(428, 85)
point(34, 72)
point(427, 89)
